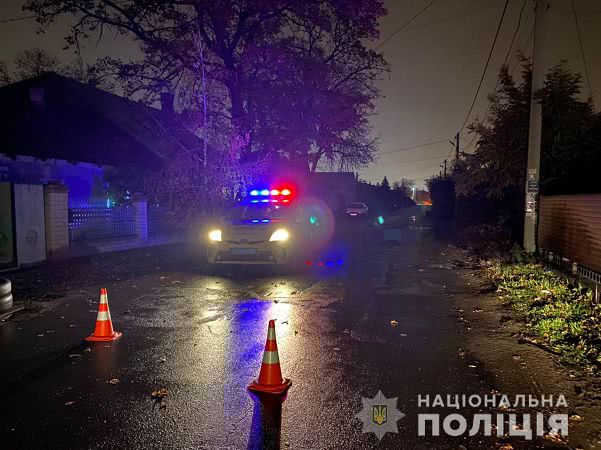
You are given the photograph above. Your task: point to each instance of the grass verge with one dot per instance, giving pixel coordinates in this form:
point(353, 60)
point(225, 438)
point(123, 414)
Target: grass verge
point(557, 312)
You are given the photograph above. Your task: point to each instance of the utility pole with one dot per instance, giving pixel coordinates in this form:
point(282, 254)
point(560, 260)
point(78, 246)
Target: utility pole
point(535, 128)
point(457, 147)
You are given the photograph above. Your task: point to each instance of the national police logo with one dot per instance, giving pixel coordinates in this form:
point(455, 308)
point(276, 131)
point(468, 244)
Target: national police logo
point(379, 415)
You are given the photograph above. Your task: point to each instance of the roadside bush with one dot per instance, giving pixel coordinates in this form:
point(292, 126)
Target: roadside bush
point(486, 241)
point(557, 312)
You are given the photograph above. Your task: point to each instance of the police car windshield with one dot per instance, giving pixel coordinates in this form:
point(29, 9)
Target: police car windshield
point(251, 212)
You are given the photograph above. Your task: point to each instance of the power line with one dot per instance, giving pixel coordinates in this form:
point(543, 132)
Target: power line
point(588, 81)
point(404, 149)
point(423, 160)
point(399, 29)
point(517, 28)
point(526, 42)
point(485, 66)
point(16, 19)
point(458, 16)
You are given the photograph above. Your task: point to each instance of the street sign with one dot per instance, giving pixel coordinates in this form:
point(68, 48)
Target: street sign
point(533, 185)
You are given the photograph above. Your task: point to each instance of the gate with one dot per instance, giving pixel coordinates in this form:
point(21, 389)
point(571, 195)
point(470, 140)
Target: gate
point(7, 227)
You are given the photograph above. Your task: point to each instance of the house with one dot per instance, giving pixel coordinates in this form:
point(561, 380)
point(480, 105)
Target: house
point(56, 128)
point(57, 138)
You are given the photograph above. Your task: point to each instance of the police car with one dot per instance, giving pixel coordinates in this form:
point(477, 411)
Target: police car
point(260, 230)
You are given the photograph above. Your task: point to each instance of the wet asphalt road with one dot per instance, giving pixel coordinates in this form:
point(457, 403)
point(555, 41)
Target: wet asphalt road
point(202, 336)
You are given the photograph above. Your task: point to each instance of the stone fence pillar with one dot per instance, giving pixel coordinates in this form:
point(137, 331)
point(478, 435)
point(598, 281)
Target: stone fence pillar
point(140, 204)
point(56, 212)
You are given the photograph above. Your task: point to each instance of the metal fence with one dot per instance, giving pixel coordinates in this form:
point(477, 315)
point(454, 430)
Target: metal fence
point(566, 265)
point(159, 220)
point(570, 226)
point(101, 223)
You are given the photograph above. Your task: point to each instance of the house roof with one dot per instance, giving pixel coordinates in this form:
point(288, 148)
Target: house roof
point(54, 117)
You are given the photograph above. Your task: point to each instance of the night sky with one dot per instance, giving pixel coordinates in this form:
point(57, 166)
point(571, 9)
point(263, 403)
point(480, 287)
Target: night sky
point(436, 63)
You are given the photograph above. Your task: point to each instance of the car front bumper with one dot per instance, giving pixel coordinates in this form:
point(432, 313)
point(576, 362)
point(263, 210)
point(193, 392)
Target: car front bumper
point(263, 253)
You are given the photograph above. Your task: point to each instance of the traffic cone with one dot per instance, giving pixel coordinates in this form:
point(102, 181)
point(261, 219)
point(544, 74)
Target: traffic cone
point(270, 377)
point(104, 326)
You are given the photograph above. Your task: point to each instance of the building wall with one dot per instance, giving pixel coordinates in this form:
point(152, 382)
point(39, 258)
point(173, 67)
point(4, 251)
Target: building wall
point(570, 226)
point(80, 178)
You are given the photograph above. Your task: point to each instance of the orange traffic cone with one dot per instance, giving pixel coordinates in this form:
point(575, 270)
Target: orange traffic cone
point(104, 326)
point(270, 377)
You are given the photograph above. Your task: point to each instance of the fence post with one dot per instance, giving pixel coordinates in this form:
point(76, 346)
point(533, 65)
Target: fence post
point(56, 211)
point(140, 204)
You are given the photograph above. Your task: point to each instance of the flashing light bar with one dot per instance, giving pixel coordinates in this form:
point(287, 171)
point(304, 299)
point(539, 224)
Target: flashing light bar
point(275, 196)
point(273, 192)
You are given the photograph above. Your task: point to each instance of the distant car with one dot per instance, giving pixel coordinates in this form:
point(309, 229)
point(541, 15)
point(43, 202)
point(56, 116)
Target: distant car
point(357, 209)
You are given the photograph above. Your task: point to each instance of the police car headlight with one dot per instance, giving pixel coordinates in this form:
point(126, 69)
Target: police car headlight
point(279, 235)
point(215, 235)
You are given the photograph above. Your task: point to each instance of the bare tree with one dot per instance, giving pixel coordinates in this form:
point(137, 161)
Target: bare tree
point(296, 78)
point(5, 77)
point(34, 62)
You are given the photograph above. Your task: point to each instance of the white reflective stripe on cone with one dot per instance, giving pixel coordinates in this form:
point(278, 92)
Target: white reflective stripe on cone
point(271, 358)
point(271, 334)
point(103, 299)
point(103, 315)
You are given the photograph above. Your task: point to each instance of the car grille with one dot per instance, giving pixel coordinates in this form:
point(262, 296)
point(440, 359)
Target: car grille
point(244, 242)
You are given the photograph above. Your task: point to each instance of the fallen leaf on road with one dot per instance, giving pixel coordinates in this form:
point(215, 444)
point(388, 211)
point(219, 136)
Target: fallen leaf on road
point(162, 278)
point(576, 418)
point(159, 394)
point(554, 437)
point(394, 323)
point(284, 322)
point(174, 282)
point(71, 325)
point(69, 403)
point(336, 349)
point(41, 335)
point(162, 360)
point(74, 355)
point(293, 293)
point(472, 366)
point(403, 334)
point(346, 331)
point(506, 446)
point(478, 310)
point(113, 381)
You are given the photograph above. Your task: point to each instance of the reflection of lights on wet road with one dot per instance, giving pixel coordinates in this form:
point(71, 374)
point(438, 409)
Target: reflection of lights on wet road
point(280, 312)
point(209, 313)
